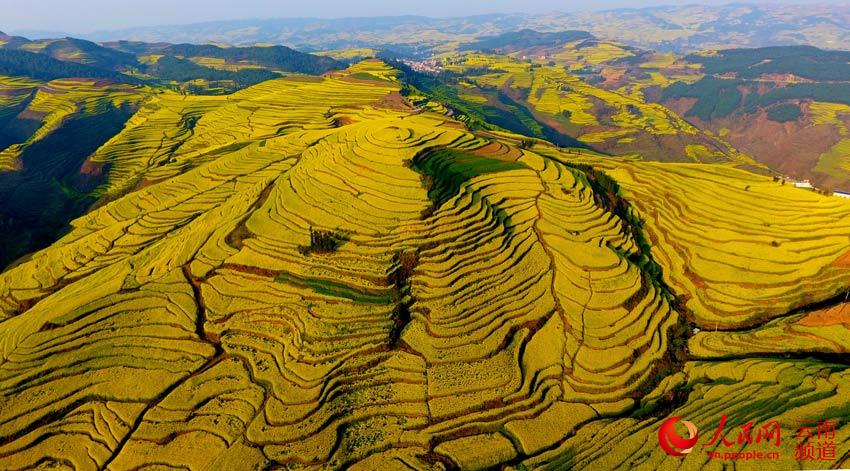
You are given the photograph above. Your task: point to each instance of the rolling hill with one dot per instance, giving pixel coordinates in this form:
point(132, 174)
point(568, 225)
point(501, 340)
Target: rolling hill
point(676, 28)
point(536, 96)
point(343, 271)
point(51, 91)
point(783, 107)
point(505, 242)
point(199, 68)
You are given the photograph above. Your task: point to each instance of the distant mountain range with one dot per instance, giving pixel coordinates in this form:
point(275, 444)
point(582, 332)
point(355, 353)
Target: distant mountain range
point(671, 28)
point(137, 62)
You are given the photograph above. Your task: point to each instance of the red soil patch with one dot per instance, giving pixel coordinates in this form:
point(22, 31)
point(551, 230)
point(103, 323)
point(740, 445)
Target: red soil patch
point(92, 169)
point(499, 151)
point(144, 183)
point(454, 125)
point(104, 83)
point(395, 101)
point(835, 315)
point(680, 106)
point(792, 148)
point(613, 78)
point(30, 114)
point(694, 278)
point(252, 270)
point(842, 261)
point(492, 149)
point(52, 90)
point(15, 91)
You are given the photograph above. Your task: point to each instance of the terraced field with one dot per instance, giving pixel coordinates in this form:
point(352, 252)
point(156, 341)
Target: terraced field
point(47, 130)
point(617, 120)
point(834, 163)
point(14, 93)
point(50, 104)
point(313, 274)
point(739, 104)
point(760, 250)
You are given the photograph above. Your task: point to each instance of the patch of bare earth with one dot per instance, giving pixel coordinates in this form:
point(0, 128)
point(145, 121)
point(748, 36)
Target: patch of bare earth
point(680, 106)
point(835, 315)
point(843, 261)
point(395, 101)
point(791, 148)
point(15, 91)
point(90, 168)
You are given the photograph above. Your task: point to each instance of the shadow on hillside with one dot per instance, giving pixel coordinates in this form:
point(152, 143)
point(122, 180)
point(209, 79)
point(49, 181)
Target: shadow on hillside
point(39, 201)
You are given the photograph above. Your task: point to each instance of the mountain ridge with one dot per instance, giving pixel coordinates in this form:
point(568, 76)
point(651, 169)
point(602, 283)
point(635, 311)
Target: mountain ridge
point(669, 28)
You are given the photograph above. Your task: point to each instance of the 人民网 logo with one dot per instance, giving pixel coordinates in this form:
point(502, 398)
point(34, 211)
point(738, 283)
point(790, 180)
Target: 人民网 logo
point(671, 442)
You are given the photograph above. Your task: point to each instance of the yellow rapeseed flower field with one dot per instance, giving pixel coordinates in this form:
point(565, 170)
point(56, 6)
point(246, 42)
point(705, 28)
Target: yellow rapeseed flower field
point(315, 274)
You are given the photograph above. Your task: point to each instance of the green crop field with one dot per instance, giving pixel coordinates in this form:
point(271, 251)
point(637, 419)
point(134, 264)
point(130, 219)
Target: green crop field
point(619, 121)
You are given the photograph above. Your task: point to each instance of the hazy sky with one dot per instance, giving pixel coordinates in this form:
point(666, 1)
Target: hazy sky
point(82, 16)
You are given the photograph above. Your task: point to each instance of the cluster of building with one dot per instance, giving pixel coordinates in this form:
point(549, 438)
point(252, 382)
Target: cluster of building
point(431, 66)
point(807, 184)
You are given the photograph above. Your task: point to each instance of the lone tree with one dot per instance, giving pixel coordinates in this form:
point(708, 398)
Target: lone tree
point(322, 241)
point(527, 144)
